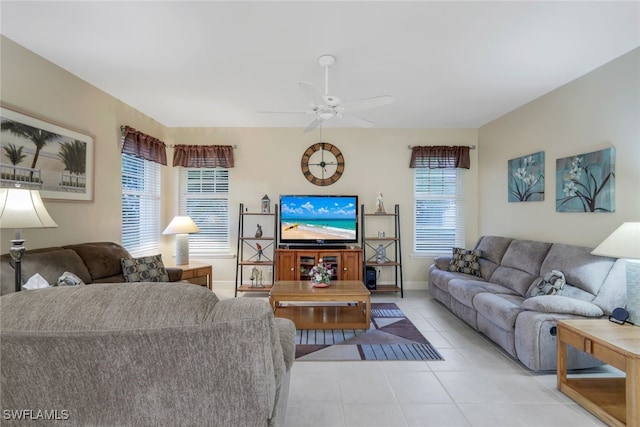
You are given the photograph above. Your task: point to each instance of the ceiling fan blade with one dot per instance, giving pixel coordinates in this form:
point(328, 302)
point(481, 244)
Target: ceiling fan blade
point(366, 104)
point(285, 112)
point(314, 124)
point(358, 121)
point(312, 93)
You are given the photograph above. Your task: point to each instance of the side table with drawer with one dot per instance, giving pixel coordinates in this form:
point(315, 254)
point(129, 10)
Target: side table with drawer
point(616, 401)
point(198, 273)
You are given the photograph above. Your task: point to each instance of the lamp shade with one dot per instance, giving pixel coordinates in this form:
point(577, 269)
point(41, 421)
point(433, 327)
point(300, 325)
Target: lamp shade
point(23, 208)
point(622, 243)
point(181, 225)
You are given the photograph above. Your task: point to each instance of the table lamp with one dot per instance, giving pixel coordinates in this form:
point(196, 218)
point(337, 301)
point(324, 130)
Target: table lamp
point(181, 226)
point(625, 243)
point(22, 208)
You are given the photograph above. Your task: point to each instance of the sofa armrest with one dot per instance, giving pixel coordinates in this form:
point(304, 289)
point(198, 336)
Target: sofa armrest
point(234, 310)
point(562, 305)
point(175, 273)
point(442, 262)
point(287, 332)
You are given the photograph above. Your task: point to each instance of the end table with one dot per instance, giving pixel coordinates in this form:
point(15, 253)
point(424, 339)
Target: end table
point(198, 273)
point(616, 401)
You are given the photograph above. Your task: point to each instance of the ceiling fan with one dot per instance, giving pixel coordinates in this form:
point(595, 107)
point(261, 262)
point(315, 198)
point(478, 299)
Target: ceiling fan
point(327, 107)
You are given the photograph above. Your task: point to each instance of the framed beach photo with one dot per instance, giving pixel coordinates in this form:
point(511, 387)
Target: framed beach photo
point(40, 155)
point(526, 178)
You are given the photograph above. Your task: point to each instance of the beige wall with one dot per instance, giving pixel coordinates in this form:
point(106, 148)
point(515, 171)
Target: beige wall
point(596, 111)
point(37, 86)
point(267, 162)
point(599, 110)
point(376, 160)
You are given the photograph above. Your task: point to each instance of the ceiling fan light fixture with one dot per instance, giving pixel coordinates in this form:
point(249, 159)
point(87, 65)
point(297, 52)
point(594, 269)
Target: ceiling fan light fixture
point(327, 114)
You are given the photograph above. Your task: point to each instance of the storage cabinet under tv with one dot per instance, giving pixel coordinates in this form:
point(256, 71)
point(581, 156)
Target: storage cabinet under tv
point(295, 264)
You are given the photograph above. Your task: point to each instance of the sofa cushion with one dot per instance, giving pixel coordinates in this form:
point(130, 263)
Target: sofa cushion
point(101, 258)
point(526, 255)
point(562, 305)
point(51, 264)
point(144, 269)
point(520, 265)
point(581, 269)
point(107, 307)
point(493, 249)
point(464, 290)
point(501, 309)
point(465, 261)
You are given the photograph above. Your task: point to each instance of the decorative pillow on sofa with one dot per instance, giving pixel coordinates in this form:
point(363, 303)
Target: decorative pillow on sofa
point(465, 261)
point(144, 269)
point(549, 284)
point(69, 279)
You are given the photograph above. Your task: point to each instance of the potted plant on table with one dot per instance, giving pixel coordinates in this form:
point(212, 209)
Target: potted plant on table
point(321, 274)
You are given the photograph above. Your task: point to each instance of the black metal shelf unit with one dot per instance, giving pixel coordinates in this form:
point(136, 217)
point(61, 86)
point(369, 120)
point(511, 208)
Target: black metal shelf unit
point(391, 244)
point(255, 251)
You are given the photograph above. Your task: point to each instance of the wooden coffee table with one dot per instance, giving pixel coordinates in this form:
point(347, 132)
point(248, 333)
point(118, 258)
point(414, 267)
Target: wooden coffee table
point(346, 304)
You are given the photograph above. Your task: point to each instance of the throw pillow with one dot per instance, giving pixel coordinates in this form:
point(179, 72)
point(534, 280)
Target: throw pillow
point(562, 305)
point(35, 282)
point(549, 284)
point(69, 279)
point(144, 269)
point(465, 261)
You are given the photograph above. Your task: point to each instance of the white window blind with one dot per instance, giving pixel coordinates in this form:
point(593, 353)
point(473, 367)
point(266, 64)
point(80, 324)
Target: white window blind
point(439, 210)
point(140, 205)
point(204, 196)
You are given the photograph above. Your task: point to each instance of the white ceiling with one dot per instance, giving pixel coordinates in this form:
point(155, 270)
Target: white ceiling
point(447, 64)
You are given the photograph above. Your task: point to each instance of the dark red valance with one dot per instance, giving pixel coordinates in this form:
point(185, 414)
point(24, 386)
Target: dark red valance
point(203, 156)
point(440, 157)
point(141, 145)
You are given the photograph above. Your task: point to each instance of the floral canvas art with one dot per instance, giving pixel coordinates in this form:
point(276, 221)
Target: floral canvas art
point(586, 182)
point(526, 178)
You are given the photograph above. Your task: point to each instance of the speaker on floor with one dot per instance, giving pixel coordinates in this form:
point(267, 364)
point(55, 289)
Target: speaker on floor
point(370, 278)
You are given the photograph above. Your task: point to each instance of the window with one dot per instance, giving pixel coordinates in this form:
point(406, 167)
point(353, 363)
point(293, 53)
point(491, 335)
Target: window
point(204, 196)
point(439, 210)
point(140, 205)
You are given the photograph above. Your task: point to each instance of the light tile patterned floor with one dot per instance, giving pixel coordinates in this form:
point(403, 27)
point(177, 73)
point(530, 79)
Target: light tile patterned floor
point(477, 385)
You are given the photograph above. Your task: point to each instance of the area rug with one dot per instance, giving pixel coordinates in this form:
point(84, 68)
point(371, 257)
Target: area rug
point(391, 336)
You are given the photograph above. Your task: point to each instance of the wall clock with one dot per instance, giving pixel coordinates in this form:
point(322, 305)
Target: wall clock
point(322, 164)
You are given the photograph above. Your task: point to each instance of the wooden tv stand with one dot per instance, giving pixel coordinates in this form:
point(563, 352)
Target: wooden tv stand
point(294, 264)
point(616, 401)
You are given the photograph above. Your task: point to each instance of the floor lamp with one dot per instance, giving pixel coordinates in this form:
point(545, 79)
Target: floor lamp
point(181, 226)
point(21, 208)
point(625, 243)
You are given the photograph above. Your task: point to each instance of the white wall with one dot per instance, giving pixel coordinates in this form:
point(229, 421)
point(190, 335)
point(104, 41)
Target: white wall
point(599, 110)
point(267, 161)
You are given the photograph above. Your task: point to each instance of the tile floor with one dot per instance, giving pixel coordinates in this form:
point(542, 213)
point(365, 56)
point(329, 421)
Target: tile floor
point(477, 384)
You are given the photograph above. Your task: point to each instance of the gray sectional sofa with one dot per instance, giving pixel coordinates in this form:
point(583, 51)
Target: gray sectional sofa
point(498, 302)
point(143, 354)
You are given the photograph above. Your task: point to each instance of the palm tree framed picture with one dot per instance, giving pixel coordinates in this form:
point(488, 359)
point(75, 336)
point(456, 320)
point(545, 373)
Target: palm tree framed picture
point(42, 155)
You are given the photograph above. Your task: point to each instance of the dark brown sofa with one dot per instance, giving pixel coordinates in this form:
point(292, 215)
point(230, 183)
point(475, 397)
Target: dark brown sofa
point(95, 262)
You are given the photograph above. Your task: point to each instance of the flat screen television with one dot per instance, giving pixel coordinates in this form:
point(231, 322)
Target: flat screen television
point(326, 220)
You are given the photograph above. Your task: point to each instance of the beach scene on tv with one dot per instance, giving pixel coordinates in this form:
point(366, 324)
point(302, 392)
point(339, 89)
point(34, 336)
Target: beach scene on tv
point(318, 218)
